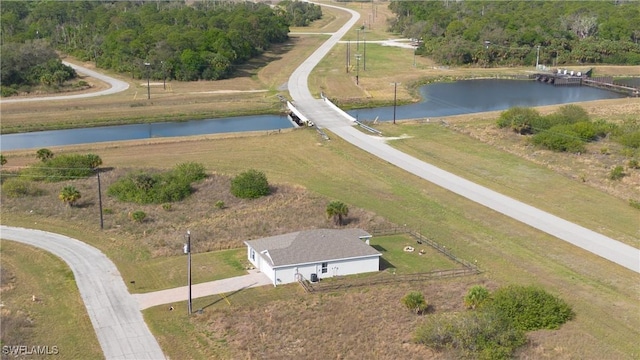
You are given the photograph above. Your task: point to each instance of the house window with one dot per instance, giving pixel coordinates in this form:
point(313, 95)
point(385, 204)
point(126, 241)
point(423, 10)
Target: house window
point(324, 267)
point(253, 255)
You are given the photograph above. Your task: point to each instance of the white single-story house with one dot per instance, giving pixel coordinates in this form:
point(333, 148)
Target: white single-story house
point(313, 254)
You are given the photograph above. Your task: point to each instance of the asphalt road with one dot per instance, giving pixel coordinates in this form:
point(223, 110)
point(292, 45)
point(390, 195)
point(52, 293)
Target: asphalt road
point(114, 313)
point(326, 117)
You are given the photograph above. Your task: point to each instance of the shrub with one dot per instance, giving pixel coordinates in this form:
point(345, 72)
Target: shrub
point(44, 154)
point(571, 114)
point(560, 138)
point(530, 308)
point(414, 301)
point(69, 195)
point(138, 216)
point(476, 296)
point(167, 187)
point(519, 119)
point(630, 139)
point(219, 204)
point(633, 164)
point(3, 159)
point(634, 203)
point(617, 173)
point(250, 184)
point(190, 171)
point(587, 131)
point(63, 167)
point(17, 187)
point(108, 211)
point(482, 335)
point(166, 206)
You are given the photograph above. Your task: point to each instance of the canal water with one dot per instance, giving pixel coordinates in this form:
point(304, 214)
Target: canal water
point(438, 99)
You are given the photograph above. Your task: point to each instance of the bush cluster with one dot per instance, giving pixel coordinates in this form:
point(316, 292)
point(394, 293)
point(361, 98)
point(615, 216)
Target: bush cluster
point(18, 187)
point(158, 188)
point(63, 167)
point(530, 308)
point(567, 130)
point(250, 184)
point(481, 335)
point(498, 327)
point(415, 302)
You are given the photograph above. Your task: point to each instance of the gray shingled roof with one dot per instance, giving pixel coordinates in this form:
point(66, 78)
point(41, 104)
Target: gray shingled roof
point(313, 246)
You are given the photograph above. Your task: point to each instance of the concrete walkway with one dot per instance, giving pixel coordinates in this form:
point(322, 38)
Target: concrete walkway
point(224, 286)
point(114, 313)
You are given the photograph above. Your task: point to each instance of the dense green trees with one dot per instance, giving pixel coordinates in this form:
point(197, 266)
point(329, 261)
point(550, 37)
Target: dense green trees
point(29, 64)
point(490, 33)
point(205, 40)
point(300, 13)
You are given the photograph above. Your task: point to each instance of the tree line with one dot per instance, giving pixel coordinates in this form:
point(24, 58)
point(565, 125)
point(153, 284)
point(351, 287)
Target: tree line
point(508, 33)
point(163, 39)
point(30, 64)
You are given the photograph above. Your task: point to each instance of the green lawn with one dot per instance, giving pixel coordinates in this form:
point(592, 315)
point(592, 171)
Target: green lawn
point(169, 272)
point(424, 258)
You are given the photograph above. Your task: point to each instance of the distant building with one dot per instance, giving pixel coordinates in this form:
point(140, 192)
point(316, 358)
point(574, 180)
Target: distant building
point(313, 254)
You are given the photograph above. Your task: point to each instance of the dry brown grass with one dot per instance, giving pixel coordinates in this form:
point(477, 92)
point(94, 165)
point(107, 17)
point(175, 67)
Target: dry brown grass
point(351, 324)
point(287, 209)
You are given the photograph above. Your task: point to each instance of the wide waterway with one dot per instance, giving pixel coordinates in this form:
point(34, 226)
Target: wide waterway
point(438, 99)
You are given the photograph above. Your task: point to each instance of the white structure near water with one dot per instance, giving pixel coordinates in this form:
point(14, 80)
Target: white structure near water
point(313, 255)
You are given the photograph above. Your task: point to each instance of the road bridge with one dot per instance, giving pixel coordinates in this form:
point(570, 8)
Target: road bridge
point(328, 117)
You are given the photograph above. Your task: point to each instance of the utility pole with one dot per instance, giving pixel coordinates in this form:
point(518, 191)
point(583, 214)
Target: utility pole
point(188, 249)
point(100, 199)
point(395, 97)
point(148, 66)
point(357, 69)
point(537, 57)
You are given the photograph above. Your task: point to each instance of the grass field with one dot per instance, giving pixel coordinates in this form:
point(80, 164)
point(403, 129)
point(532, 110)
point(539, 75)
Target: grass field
point(57, 319)
point(423, 259)
point(307, 172)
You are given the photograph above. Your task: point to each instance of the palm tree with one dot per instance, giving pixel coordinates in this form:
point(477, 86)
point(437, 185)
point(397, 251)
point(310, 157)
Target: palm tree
point(69, 195)
point(337, 210)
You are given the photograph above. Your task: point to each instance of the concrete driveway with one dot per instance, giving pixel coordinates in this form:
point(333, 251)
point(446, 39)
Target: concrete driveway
point(224, 286)
point(114, 313)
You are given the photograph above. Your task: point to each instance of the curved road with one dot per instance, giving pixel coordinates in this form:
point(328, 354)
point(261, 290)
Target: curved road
point(320, 113)
point(119, 325)
point(114, 313)
point(116, 86)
